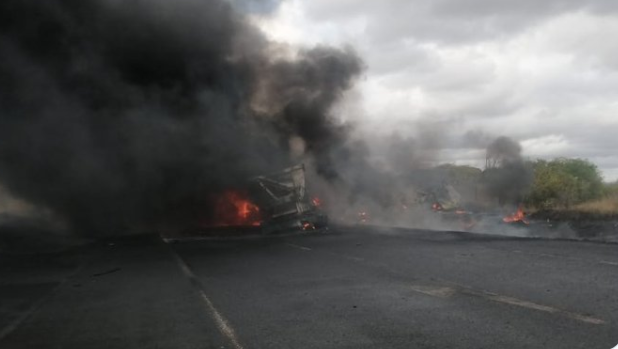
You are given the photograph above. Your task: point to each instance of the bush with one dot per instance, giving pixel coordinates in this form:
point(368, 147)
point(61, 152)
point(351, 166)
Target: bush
point(611, 190)
point(562, 183)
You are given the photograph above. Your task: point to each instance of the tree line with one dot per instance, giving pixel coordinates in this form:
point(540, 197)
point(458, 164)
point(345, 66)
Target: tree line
point(541, 184)
point(565, 182)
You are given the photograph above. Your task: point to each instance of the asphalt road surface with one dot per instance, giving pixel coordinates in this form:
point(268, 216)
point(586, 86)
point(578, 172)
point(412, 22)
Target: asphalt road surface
point(350, 288)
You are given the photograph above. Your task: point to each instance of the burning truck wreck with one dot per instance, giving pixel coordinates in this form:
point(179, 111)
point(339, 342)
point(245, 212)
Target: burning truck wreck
point(276, 203)
point(285, 202)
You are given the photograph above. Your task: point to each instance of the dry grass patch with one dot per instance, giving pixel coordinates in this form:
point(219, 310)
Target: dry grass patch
point(604, 206)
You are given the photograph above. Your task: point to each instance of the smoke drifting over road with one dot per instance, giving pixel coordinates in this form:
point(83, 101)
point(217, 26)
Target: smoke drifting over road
point(128, 114)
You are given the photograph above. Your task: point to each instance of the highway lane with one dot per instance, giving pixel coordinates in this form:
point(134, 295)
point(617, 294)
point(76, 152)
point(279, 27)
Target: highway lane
point(361, 287)
point(394, 288)
point(125, 294)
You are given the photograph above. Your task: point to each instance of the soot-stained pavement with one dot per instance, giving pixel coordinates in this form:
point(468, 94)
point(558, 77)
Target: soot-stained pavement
point(354, 287)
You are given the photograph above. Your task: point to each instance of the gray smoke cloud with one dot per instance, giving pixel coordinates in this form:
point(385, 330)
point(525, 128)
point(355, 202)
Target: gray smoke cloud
point(129, 114)
point(507, 176)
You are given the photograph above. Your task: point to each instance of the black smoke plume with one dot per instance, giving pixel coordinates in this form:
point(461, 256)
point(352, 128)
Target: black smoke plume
point(126, 114)
point(506, 175)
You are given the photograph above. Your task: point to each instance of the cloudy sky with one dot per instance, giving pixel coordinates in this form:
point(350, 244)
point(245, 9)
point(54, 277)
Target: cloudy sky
point(464, 71)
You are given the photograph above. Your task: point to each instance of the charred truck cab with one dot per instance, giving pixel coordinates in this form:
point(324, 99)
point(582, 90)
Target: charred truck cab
point(285, 203)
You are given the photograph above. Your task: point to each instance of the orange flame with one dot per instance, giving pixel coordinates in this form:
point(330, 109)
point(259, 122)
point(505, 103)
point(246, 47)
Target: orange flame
point(363, 217)
point(518, 216)
point(235, 209)
point(308, 226)
point(316, 202)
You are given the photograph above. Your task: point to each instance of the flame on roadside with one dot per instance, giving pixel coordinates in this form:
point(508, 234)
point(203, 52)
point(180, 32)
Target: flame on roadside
point(233, 208)
point(308, 226)
point(316, 202)
point(519, 216)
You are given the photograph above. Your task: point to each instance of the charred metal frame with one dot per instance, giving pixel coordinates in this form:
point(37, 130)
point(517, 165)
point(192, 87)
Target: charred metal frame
point(283, 197)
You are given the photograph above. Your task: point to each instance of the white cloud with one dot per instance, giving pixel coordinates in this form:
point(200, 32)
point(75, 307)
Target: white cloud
point(546, 145)
point(545, 73)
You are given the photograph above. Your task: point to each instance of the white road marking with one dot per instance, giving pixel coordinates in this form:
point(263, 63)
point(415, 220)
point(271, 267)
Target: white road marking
point(609, 263)
point(348, 257)
point(563, 257)
point(222, 324)
point(25, 315)
point(36, 305)
point(449, 291)
point(440, 292)
point(299, 247)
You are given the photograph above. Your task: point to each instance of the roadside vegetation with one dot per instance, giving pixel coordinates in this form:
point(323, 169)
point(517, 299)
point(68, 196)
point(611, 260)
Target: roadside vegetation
point(564, 187)
point(571, 187)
